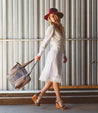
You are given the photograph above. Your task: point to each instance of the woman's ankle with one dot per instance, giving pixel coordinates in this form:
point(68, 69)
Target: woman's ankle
point(60, 102)
point(58, 98)
point(39, 97)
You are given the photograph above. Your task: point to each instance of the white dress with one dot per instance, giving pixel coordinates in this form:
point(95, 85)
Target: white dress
point(53, 66)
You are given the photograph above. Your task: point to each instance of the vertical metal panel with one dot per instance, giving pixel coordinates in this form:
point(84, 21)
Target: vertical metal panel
point(1, 51)
point(36, 29)
point(57, 4)
point(20, 29)
point(15, 31)
point(26, 33)
point(47, 6)
point(52, 3)
point(4, 54)
point(63, 9)
point(89, 43)
point(78, 49)
point(31, 35)
point(94, 34)
point(83, 43)
point(67, 42)
point(24, 19)
point(97, 42)
point(73, 34)
point(10, 35)
point(1, 67)
point(41, 35)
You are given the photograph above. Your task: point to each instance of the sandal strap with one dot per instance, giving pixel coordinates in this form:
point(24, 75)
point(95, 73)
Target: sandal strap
point(60, 103)
point(38, 95)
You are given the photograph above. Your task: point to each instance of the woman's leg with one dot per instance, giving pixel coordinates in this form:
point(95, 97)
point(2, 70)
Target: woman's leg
point(56, 89)
point(59, 102)
point(46, 87)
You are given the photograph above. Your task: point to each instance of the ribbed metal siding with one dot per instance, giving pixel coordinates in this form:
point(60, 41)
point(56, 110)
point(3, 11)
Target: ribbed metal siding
point(23, 19)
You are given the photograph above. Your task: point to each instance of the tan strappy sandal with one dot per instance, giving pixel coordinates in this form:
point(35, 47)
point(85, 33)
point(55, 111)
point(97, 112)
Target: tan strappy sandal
point(35, 99)
point(60, 104)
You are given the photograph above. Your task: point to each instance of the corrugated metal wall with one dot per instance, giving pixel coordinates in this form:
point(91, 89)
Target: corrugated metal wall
point(22, 28)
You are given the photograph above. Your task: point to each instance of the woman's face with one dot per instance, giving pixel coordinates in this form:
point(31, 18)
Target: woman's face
point(52, 17)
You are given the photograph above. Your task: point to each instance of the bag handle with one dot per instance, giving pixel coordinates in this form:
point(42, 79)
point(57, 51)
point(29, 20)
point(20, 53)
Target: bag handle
point(25, 64)
point(31, 69)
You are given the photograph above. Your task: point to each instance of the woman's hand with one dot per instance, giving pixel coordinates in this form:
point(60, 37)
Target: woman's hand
point(37, 58)
point(65, 59)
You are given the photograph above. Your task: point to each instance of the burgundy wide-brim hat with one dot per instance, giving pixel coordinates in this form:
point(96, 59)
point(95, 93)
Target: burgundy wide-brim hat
point(53, 11)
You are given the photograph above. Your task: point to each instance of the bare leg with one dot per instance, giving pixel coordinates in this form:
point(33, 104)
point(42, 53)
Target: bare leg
point(59, 101)
point(46, 87)
point(56, 89)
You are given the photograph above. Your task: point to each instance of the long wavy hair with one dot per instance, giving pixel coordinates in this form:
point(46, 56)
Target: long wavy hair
point(57, 23)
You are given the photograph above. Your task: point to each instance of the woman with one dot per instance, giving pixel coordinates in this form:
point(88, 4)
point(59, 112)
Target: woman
point(52, 72)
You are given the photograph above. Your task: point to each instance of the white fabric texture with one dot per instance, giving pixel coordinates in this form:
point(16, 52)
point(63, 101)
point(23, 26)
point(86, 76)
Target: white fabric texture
point(53, 66)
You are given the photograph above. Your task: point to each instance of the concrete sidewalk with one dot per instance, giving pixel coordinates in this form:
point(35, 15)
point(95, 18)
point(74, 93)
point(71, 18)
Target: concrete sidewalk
point(49, 108)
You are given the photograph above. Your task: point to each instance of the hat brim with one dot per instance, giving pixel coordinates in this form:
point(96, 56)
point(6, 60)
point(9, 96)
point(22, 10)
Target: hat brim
point(57, 13)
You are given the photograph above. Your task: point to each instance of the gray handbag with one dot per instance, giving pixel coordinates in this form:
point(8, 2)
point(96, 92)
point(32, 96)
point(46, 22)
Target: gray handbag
point(19, 76)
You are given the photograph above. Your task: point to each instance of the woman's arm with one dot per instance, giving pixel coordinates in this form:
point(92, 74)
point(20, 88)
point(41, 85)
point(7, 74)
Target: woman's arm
point(49, 33)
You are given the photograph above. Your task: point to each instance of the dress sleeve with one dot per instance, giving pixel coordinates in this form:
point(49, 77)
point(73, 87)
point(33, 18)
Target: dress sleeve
point(49, 33)
point(64, 42)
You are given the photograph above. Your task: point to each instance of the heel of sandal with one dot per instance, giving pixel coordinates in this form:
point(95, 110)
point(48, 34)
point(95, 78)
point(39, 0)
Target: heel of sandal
point(63, 107)
point(57, 106)
point(34, 98)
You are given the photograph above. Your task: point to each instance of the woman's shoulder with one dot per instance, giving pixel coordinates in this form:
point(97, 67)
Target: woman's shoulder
point(50, 28)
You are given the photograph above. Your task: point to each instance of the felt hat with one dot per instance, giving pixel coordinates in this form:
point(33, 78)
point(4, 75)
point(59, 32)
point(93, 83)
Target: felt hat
point(53, 11)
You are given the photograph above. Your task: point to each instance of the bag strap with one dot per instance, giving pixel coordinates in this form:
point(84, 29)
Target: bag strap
point(31, 69)
point(25, 64)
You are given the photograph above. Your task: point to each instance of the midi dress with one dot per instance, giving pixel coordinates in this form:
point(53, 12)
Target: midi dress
point(52, 70)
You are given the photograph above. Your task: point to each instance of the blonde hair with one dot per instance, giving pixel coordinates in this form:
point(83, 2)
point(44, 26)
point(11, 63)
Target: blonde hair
point(57, 23)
